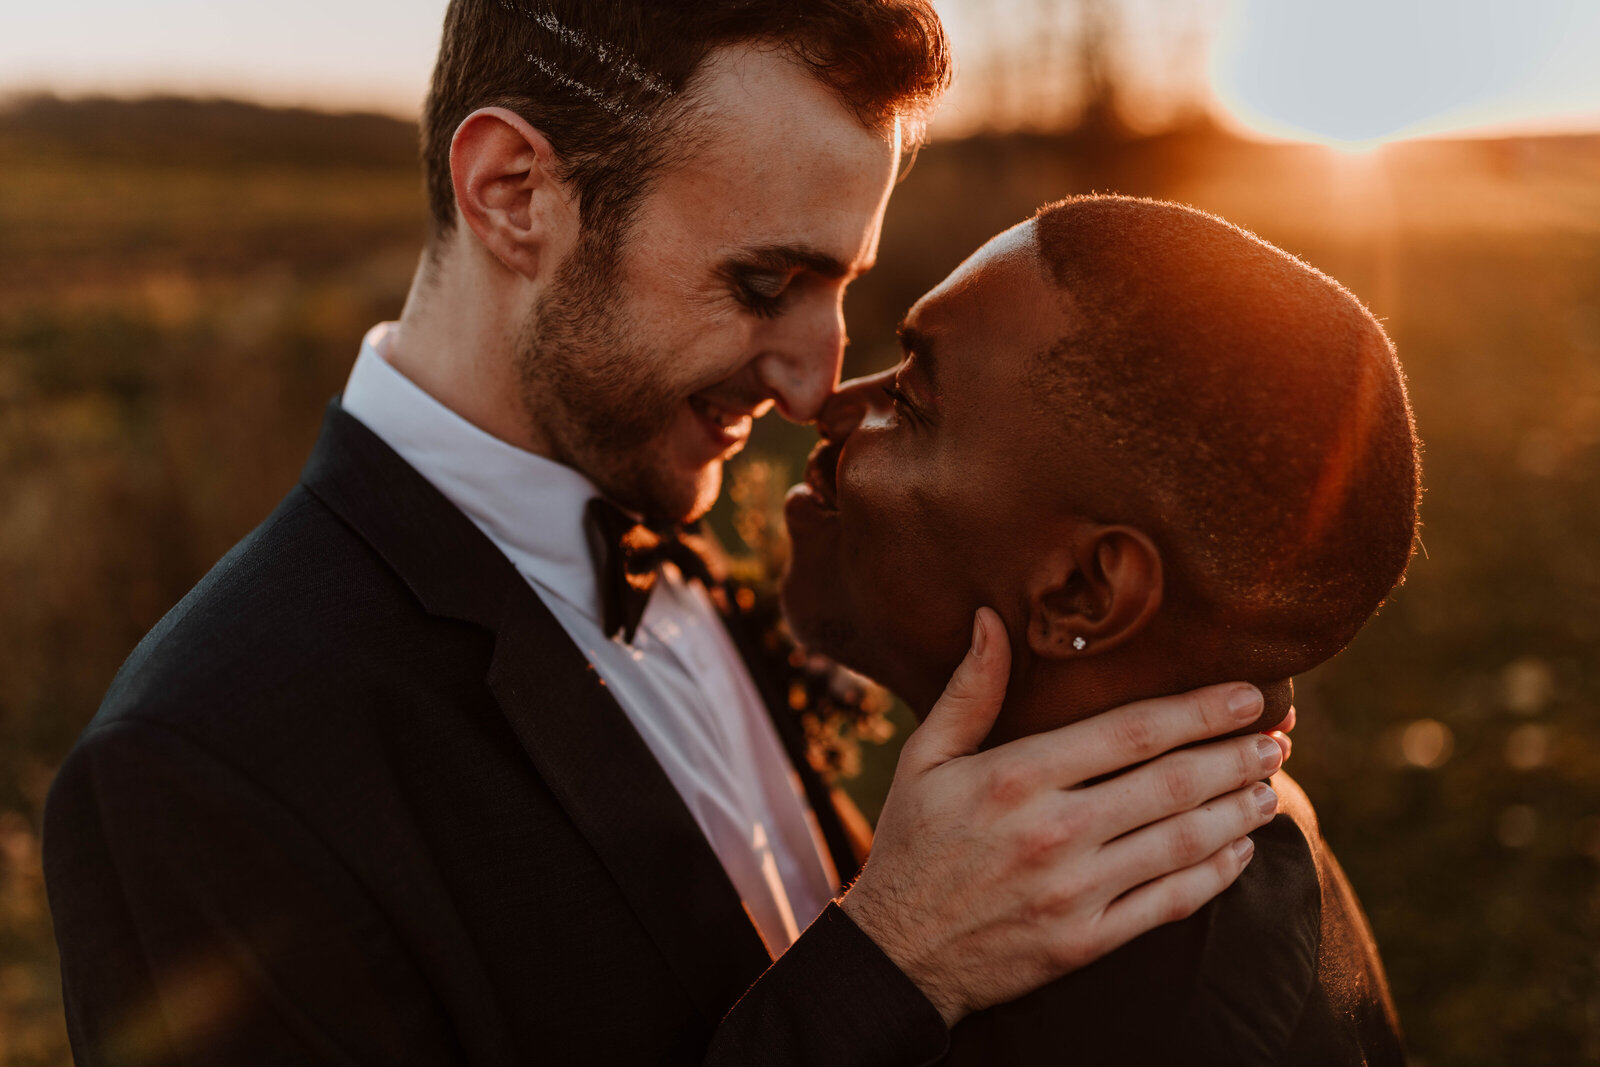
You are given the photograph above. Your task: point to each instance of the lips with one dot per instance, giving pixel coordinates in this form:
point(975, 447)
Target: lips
point(726, 427)
point(822, 474)
point(727, 418)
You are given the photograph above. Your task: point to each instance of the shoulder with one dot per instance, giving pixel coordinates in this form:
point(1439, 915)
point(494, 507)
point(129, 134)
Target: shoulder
point(1224, 986)
point(1259, 964)
point(1228, 985)
point(1125, 1008)
point(288, 646)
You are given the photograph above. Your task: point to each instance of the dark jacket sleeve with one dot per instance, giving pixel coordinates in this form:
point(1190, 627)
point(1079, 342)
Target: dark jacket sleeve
point(1225, 987)
point(834, 998)
point(200, 922)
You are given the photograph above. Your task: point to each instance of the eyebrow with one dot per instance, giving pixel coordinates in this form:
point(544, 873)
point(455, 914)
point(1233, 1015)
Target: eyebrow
point(919, 345)
point(796, 257)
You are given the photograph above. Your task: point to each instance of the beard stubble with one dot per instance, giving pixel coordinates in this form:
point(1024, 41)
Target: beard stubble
point(594, 386)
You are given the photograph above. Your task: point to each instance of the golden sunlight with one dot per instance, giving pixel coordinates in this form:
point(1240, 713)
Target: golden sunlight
point(1361, 73)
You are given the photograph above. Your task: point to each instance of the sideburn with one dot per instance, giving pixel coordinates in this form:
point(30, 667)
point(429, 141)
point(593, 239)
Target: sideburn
point(584, 375)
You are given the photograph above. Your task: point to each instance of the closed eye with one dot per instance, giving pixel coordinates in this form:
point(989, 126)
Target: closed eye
point(763, 293)
point(902, 403)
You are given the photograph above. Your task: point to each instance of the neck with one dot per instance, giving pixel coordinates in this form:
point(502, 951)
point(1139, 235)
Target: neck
point(1046, 696)
point(458, 341)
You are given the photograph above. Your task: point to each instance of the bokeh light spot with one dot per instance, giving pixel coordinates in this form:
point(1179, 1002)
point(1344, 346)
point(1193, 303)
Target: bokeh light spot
point(1427, 743)
point(1517, 826)
point(1529, 685)
point(1528, 747)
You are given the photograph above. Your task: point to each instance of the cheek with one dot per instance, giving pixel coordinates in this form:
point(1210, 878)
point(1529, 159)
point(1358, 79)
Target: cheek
point(885, 508)
point(896, 551)
point(700, 337)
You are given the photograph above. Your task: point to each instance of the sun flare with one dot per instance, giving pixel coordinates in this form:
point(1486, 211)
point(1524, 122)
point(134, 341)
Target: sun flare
point(1362, 73)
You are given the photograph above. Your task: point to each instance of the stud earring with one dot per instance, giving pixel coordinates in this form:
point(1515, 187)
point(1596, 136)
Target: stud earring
point(1079, 643)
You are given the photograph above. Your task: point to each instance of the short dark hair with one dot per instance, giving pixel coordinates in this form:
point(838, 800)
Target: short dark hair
point(604, 80)
point(1258, 410)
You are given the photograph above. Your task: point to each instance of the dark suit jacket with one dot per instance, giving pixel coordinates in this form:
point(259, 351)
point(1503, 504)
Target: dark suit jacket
point(359, 799)
point(1280, 969)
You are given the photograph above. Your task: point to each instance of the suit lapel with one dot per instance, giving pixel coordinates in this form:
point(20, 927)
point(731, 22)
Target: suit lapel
point(614, 789)
point(572, 729)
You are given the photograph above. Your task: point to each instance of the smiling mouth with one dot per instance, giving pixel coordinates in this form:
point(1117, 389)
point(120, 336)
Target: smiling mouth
point(726, 429)
point(822, 474)
point(726, 418)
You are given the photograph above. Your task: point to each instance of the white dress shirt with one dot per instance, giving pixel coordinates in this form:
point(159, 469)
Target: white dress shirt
point(681, 682)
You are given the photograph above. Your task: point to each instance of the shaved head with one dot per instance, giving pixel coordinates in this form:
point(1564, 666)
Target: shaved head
point(1255, 415)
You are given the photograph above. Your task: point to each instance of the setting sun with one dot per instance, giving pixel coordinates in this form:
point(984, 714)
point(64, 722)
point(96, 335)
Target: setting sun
point(1357, 74)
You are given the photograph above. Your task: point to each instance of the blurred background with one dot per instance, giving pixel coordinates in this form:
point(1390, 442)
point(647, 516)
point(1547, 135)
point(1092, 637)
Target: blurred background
point(202, 207)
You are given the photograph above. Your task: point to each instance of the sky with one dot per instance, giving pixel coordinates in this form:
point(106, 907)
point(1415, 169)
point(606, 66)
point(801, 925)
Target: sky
point(1351, 72)
point(335, 53)
point(1359, 72)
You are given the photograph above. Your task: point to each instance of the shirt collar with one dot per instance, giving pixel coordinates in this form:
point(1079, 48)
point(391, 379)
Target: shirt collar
point(531, 507)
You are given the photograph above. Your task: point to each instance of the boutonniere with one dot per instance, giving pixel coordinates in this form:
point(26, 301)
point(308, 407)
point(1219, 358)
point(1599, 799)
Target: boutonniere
point(837, 709)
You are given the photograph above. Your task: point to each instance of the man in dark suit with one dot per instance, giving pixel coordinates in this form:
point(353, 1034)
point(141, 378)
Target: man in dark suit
point(1169, 453)
point(453, 761)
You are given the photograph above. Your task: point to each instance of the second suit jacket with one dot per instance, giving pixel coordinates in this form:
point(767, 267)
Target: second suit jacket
point(358, 799)
point(1280, 970)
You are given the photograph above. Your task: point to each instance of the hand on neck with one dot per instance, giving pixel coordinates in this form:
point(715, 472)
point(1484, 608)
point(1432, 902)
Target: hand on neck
point(1046, 694)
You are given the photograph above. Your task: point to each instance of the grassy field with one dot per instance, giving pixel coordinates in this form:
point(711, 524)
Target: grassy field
point(183, 286)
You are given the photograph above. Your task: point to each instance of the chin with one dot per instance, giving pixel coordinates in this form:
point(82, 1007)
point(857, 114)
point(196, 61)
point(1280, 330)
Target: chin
point(825, 628)
point(822, 604)
point(834, 630)
point(795, 608)
point(667, 492)
point(702, 493)
point(689, 484)
point(813, 626)
point(814, 591)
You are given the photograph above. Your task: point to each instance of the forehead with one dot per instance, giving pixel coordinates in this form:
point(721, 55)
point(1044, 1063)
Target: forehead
point(993, 313)
point(774, 158)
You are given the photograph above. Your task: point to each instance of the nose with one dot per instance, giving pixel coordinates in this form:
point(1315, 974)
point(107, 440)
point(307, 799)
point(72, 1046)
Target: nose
point(842, 412)
point(801, 365)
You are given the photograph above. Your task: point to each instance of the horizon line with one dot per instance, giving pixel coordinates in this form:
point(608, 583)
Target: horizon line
point(1226, 122)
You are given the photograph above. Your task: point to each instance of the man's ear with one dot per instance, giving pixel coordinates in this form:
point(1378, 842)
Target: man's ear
point(508, 193)
point(1094, 592)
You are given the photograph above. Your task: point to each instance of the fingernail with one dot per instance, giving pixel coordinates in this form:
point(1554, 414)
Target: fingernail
point(1265, 799)
point(1245, 703)
point(1271, 755)
point(1244, 848)
point(1284, 742)
point(980, 636)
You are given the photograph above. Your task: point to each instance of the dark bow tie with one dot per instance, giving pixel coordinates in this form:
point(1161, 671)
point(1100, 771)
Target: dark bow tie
point(627, 554)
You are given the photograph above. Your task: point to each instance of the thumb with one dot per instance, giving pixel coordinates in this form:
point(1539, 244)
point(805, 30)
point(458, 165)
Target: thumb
point(965, 714)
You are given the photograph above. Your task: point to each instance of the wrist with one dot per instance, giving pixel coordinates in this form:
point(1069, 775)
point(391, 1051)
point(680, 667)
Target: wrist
point(884, 929)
